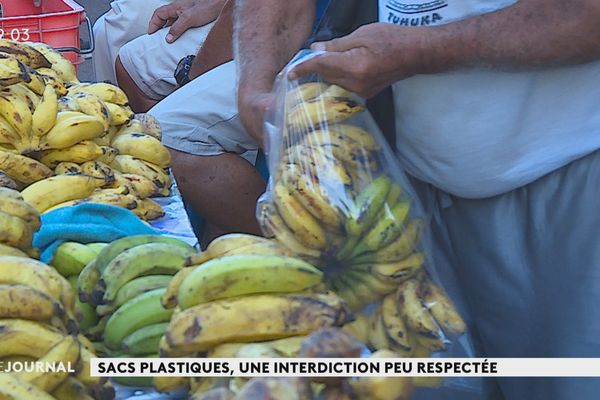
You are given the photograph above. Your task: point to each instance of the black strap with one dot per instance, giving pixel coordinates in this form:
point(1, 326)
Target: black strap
point(341, 17)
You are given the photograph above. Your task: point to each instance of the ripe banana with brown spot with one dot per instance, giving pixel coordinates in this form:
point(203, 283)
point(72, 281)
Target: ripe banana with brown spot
point(72, 130)
point(143, 147)
point(304, 226)
point(79, 153)
point(26, 54)
point(50, 192)
point(417, 316)
point(251, 319)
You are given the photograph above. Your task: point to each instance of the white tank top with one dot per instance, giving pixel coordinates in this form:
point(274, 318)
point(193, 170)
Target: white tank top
point(476, 133)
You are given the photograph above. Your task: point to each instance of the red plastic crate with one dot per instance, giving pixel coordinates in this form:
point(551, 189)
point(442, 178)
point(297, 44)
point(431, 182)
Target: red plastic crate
point(56, 22)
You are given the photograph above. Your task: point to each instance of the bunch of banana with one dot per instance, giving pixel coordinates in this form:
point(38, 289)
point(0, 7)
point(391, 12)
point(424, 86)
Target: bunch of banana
point(128, 191)
point(18, 222)
point(124, 285)
point(38, 323)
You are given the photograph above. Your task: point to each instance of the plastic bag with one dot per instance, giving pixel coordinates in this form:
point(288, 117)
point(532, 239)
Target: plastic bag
point(338, 198)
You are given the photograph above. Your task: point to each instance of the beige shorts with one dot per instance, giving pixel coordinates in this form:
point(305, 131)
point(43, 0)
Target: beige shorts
point(202, 118)
point(148, 59)
point(151, 61)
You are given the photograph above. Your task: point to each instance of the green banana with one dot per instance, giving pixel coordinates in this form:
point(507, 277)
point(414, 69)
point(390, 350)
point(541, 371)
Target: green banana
point(386, 229)
point(88, 314)
point(151, 258)
point(145, 340)
point(143, 310)
point(232, 276)
point(368, 204)
point(97, 247)
point(118, 246)
point(134, 288)
point(87, 281)
point(399, 249)
point(71, 257)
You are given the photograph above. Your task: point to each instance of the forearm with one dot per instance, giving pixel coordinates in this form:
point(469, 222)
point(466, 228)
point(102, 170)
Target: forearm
point(527, 35)
point(217, 48)
point(267, 35)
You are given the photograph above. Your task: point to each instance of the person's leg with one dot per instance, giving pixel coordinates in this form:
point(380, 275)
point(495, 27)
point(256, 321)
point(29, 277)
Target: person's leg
point(138, 100)
point(145, 66)
point(529, 264)
point(222, 188)
point(201, 126)
point(125, 21)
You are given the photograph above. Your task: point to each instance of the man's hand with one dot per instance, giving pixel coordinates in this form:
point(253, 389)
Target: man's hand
point(252, 108)
point(369, 59)
point(182, 15)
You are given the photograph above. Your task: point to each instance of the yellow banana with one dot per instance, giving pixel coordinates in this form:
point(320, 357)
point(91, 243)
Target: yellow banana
point(92, 105)
point(67, 167)
point(66, 353)
point(148, 210)
point(319, 163)
point(45, 114)
point(8, 134)
point(26, 54)
point(12, 71)
point(442, 308)
point(78, 153)
point(377, 338)
point(98, 169)
point(143, 147)
point(15, 232)
point(22, 210)
point(417, 316)
point(58, 189)
point(139, 185)
point(62, 67)
point(21, 90)
point(23, 169)
point(169, 298)
point(305, 227)
point(107, 92)
point(108, 154)
point(12, 388)
point(272, 223)
point(119, 115)
point(238, 275)
point(318, 200)
point(326, 109)
point(130, 165)
point(150, 126)
point(304, 93)
point(6, 250)
point(70, 131)
point(15, 110)
point(395, 326)
point(33, 273)
point(250, 319)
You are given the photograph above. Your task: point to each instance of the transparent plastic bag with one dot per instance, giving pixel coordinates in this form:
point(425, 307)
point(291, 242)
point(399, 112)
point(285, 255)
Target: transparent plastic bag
point(338, 198)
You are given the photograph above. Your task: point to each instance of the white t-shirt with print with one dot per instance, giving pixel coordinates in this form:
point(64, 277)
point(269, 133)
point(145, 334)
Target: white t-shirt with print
point(478, 133)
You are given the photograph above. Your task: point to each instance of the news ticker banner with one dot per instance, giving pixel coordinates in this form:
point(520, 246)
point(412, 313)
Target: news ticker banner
point(346, 367)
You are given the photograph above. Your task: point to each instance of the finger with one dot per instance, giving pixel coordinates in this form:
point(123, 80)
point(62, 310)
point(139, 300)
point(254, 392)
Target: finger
point(340, 44)
point(179, 26)
point(160, 17)
point(328, 63)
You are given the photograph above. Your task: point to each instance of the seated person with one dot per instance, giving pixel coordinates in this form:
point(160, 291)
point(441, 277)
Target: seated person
point(135, 33)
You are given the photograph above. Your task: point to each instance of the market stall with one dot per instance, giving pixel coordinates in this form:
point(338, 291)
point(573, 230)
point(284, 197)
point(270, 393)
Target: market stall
point(96, 245)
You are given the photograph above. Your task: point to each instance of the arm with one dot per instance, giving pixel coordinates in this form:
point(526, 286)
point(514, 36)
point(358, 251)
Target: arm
point(267, 35)
point(527, 35)
point(217, 48)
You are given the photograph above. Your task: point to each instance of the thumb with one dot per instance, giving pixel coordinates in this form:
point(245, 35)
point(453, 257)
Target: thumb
point(336, 45)
point(180, 25)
